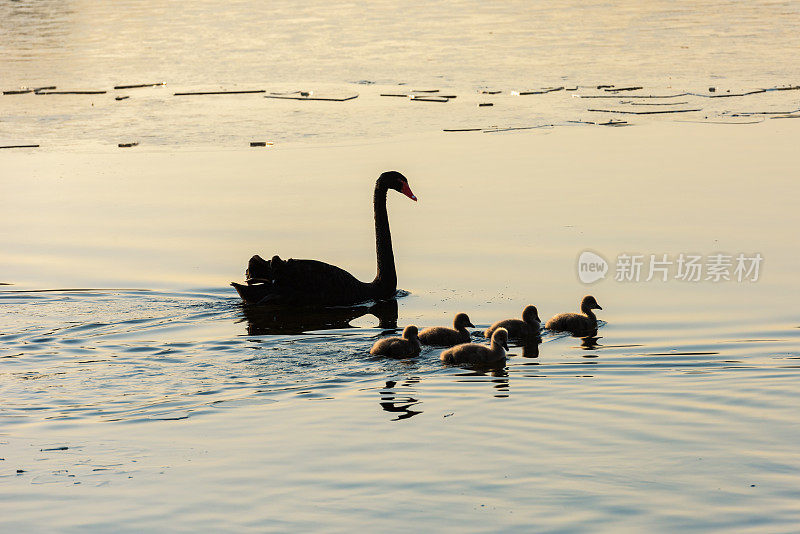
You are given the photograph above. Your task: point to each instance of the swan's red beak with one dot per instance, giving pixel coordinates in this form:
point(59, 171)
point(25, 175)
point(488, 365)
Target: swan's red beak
point(407, 192)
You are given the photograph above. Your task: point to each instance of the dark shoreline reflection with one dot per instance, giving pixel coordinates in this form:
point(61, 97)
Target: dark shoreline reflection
point(269, 320)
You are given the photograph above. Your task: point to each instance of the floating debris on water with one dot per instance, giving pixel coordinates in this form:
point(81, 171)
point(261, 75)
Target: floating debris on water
point(655, 112)
point(195, 93)
point(722, 122)
point(298, 95)
point(514, 128)
point(430, 98)
point(617, 90)
point(654, 101)
point(48, 92)
point(538, 91)
point(632, 103)
point(61, 448)
point(426, 95)
point(677, 95)
point(128, 145)
point(261, 143)
point(749, 113)
point(729, 94)
point(613, 122)
point(25, 90)
point(138, 85)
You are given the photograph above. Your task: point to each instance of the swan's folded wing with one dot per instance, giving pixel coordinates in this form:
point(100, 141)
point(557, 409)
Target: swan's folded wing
point(318, 282)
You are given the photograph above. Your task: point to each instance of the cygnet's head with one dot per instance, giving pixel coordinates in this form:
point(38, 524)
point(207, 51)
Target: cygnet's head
point(531, 315)
point(462, 321)
point(410, 332)
point(589, 303)
point(500, 337)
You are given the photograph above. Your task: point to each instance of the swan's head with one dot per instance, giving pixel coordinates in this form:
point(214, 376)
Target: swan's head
point(589, 303)
point(500, 337)
point(410, 332)
point(462, 321)
point(398, 182)
point(531, 315)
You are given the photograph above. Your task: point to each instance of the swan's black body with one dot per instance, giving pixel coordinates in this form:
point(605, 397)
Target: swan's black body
point(315, 283)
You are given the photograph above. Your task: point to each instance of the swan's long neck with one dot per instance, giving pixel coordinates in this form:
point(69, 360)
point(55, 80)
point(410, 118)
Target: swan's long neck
point(459, 327)
point(386, 278)
point(414, 339)
point(497, 348)
point(590, 314)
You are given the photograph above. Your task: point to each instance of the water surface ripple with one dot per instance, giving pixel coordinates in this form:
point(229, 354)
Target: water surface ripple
point(122, 355)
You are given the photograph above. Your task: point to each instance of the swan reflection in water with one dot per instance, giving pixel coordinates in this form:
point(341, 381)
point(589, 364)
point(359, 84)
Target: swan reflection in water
point(270, 320)
point(497, 376)
point(397, 400)
point(590, 342)
point(530, 347)
point(401, 397)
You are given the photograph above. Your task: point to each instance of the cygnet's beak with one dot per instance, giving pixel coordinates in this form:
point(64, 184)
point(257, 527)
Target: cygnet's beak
point(598, 307)
point(470, 325)
point(407, 192)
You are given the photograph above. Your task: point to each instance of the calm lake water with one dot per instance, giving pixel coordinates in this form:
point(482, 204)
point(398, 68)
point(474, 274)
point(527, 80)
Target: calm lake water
point(139, 394)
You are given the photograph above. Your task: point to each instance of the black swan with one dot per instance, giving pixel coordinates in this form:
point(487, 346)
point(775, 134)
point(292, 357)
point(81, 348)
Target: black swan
point(312, 282)
point(479, 354)
point(447, 337)
point(576, 323)
point(397, 347)
point(527, 328)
